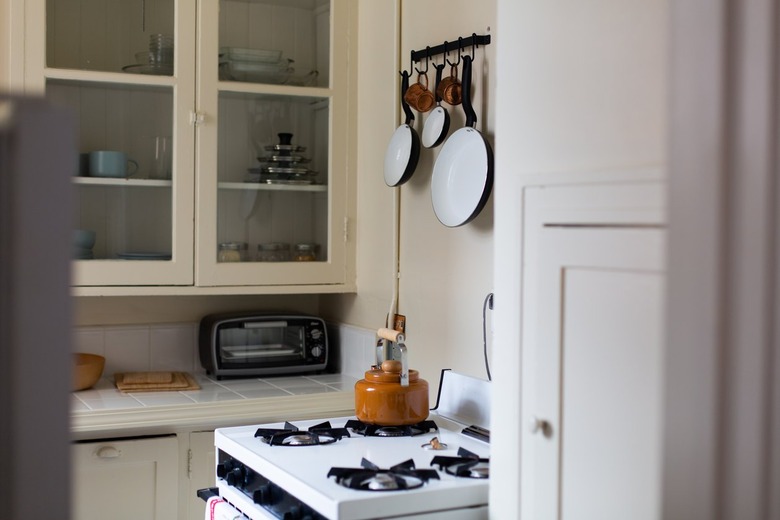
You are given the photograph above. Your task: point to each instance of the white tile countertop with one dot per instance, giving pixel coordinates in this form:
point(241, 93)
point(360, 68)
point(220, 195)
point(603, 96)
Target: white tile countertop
point(104, 410)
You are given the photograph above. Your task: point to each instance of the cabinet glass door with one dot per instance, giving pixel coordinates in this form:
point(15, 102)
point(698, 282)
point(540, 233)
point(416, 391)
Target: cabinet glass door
point(274, 175)
point(123, 70)
point(272, 203)
point(134, 36)
point(275, 43)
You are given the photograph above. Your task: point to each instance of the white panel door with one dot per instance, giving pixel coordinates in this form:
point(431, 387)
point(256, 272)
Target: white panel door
point(598, 384)
point(126, 480)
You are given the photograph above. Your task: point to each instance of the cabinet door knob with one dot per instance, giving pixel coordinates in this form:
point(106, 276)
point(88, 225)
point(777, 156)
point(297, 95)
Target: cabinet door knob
point(109, 452)
point(538, 425)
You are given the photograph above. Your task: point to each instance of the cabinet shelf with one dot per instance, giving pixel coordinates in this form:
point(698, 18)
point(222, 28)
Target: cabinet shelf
point(271, 187)
point(118, 78)
point(122, 183)
point(240, 87)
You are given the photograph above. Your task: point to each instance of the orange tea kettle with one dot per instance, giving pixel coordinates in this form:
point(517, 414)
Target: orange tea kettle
point(391, 394)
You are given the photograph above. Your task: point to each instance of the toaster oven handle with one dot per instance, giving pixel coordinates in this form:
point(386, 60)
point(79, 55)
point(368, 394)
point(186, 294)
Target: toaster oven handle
point(264, 324)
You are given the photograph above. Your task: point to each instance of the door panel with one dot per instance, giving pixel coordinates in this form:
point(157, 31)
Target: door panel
point(598, 373)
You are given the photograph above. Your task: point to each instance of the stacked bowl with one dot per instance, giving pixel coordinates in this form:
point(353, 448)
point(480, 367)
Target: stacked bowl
point(83, 242)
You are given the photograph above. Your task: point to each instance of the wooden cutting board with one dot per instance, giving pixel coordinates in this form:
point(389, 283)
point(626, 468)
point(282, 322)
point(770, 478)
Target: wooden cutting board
point(154, 381)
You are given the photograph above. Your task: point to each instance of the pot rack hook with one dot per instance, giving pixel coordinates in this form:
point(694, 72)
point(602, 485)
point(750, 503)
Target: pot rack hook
point(427, 58)
point(460, 51)
point(474, 45)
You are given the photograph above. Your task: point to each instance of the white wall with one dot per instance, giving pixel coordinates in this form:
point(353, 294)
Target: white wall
point(582, 91)
point(445, 273)
point(376, 121)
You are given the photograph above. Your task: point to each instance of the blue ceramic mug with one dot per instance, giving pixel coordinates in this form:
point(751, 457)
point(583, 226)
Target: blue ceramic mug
point(105, 163)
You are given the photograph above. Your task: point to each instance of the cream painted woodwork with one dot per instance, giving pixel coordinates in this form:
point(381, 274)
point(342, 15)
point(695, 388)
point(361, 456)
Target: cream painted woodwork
point(201, 472)
point(593, 352)
point(126, 479)
point(75, 51)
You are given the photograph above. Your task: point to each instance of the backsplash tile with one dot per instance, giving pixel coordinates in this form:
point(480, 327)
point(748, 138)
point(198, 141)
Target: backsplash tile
point(171, 348)
point(127, 349)
point(90, 340)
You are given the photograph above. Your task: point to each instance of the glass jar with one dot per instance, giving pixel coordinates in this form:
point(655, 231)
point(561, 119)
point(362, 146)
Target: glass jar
point(273, 252)
point(305, 252)
point(232, 252)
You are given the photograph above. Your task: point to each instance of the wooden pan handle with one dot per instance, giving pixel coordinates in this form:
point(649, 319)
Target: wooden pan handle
point(391, 335)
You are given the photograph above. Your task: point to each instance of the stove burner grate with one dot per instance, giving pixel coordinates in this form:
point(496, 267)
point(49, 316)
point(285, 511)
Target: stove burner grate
point(375, 430)
point(466, 464)
point(370, 477)
point(290, 435)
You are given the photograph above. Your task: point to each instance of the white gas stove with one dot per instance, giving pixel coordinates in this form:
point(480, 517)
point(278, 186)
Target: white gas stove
point(272, 471)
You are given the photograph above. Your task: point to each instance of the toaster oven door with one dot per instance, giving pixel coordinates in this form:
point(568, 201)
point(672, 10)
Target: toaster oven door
point(261, 344)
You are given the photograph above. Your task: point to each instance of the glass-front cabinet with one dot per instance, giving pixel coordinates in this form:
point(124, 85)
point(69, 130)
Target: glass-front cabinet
point(213, 138)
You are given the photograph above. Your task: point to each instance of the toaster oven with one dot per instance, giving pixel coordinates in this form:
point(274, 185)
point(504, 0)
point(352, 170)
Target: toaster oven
point(254, 344)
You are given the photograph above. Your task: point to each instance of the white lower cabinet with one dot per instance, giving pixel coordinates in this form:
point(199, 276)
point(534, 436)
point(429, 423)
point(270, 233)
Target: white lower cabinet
point(126, 479)
point(146, 478)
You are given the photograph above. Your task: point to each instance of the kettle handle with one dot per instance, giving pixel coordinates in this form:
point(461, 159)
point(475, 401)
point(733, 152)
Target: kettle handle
point(398, 338)
point(391, 335)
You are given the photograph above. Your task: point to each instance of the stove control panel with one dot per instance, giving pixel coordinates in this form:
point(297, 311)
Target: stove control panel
point(262, 491)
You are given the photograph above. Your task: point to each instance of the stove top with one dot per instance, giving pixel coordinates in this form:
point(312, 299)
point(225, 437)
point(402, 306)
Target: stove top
point(343, 469)
point(314, 474)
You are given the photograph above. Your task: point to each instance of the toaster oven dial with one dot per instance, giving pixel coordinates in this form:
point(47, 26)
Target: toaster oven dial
point(316, 351)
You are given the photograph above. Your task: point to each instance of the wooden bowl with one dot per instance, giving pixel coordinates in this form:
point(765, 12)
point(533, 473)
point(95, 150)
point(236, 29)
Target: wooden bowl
point(87, 369)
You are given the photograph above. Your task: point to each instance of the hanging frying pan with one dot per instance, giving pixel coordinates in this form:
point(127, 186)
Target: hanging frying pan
point(403, 151)
point(463, 173)
point(438, 123)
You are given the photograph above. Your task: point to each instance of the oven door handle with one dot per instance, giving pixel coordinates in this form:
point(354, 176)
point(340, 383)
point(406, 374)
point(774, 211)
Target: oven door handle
point(206, 493)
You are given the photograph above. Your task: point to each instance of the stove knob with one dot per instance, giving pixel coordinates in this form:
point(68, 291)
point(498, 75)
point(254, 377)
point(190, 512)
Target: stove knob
point(236, 476)
point(263, 495)
point(249, 477)
point(316, 351)
point(224, 467)
point(294, 513)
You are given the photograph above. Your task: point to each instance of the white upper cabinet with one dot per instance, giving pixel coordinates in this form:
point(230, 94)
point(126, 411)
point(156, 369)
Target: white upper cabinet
point(222, 130)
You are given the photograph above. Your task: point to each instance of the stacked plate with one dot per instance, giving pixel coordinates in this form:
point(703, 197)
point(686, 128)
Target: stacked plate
point(254, 65)
point(283, 164)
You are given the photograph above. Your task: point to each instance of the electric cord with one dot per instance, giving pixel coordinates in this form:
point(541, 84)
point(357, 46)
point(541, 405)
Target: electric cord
point(488, 302)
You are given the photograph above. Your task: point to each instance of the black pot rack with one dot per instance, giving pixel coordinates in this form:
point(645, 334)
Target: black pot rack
point(473, 41)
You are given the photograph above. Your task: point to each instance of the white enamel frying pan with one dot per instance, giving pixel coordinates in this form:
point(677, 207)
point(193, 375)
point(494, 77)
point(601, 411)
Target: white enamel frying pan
point(403, 151)
point(463, 174)
point(438, 122)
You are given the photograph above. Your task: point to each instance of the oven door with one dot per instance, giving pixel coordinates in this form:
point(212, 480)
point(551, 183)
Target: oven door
point(217, 508)
point(250, 345)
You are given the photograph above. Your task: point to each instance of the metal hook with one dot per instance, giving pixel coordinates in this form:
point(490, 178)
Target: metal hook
point(427, 57)
point(460, 50)
point(474, 45)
